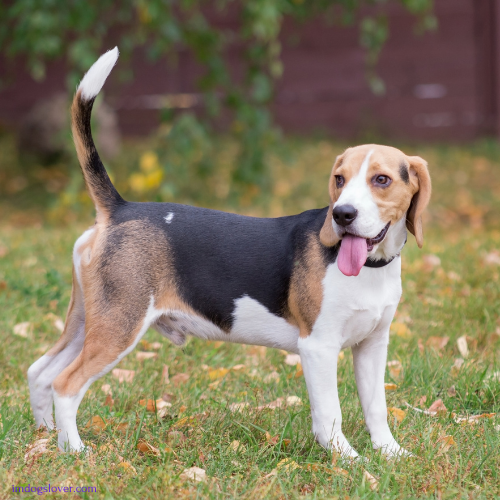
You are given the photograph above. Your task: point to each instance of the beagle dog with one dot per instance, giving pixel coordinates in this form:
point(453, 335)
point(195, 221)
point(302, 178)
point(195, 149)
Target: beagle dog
point(313, 283)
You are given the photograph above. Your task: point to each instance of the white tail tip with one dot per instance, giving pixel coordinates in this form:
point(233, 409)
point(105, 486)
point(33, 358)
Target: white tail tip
point(95, 77)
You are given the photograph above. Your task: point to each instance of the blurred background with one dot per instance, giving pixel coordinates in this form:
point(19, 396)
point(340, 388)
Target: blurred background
point(243, 106)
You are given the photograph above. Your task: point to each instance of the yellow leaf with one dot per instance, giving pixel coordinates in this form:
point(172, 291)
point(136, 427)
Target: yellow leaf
point(397, 413)
point(401, 330)
point(395, 367)
point(287, 465)
point(445, 443)
point(97, 424)
point(390, 387)
point(148, 449)
point(217, 373)
point(128, 467)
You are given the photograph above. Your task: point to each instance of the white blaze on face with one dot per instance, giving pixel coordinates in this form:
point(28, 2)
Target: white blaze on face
point(357, 193)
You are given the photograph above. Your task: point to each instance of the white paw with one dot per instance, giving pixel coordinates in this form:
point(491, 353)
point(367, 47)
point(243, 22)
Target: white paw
point(392, 450)
point(339, 444)
point(67, 447)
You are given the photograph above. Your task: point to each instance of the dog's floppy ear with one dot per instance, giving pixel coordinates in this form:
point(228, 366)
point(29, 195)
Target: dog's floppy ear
point(421, 181)
point(327, 235)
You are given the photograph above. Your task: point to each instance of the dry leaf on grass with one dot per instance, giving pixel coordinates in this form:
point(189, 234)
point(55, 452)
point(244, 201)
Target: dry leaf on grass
point(179, 379)
point(370, 479)
point(395, 367)
point(390, 387)
point(287, 465)
point(236, 446)
point(401, 330)
point(123, 375)
point(22, 329)
point(396, 413)
point(431, 261)
point(238, 407)
point(127, 466)
point(472, 419)
point(38, 448)
point(148, 449)
point(462, 346)
point(445, 443)
point(109, 401)
point(437, 343)
point(106, 388)
point(160, 406)
point(237, 368)
point(492, 258)
point(437, 407)
point(272, 377)
point(278, 403)
point(217, 373)
point(96, 424)
point(143, 355)
point(292, 359)
point(164, 375)
point(56, 321)
point(195, 474)
point(457, 365)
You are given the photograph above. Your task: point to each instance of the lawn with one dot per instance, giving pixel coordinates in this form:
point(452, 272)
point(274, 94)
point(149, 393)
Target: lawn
point(445, 345)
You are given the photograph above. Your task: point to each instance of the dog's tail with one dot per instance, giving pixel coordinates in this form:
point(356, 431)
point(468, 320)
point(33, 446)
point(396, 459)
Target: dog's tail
point(103, 193)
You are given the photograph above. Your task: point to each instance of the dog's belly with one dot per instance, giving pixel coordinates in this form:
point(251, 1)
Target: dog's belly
point(252, 324)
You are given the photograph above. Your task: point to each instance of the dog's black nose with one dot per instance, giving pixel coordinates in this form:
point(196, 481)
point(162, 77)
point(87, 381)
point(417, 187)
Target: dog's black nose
point(343, 215)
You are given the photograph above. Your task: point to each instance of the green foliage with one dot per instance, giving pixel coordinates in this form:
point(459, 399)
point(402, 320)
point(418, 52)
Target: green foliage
point(77, 31)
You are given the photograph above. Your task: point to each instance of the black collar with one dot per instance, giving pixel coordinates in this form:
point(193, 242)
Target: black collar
point(382, 262)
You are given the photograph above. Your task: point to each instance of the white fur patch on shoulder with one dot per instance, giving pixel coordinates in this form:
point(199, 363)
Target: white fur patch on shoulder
point(95, 77)
point(168, 218)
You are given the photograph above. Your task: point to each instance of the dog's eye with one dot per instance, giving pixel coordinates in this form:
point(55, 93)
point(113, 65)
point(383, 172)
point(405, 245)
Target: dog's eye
point(340, 181)
point(381, 180)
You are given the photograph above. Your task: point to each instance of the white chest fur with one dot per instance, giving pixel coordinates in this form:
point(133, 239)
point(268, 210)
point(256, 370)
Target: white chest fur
point(353, 308)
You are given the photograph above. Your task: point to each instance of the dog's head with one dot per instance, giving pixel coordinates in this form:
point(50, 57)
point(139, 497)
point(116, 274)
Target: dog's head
point(375, 191)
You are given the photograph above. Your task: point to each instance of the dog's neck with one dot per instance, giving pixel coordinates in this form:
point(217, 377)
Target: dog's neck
point(391, 247)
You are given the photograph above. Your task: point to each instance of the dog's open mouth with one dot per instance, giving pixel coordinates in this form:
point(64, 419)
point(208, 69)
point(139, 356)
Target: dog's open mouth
point(354, 251)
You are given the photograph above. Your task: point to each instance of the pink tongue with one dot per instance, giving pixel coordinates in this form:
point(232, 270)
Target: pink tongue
point(352, 255)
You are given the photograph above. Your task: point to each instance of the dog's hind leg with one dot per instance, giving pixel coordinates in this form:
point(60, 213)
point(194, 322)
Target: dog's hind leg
point(42, 372)
point(110, 336)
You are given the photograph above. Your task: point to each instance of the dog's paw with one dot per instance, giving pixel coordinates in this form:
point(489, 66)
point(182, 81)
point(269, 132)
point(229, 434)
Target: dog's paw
point(392, 450)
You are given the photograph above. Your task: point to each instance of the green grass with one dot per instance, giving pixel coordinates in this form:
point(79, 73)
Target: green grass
point(460, 296)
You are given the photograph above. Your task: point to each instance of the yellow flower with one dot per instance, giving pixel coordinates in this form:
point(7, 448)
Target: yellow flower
point(149, 162)
point(137, 183)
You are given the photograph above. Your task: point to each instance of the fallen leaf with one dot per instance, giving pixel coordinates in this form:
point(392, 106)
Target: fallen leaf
point(109, 401)
point(452, 392)
point(217, 373)
point(397, 413)
point(278, 403)
point(156, 346)
point(237, 446)
point(96, 424)
point(462, 346)
point(183, 408)
point(437, 343)
point(238, 367)
point(160, 406)
point(38, 448)
point(106, 388)
point(123, 375)
point(457, 365)
point(370, 479)
point(395, 368)
point(492, 258)
point(164, 375)
point(22, 329)
point(287, 465)
point(121, 427)
point(272, 377)
point(293, 400)
point(445, 443)
point(292, 359)
point(142, 355)
point(175, 437)
point(431, 261)
point(272, 440)
point(390, 387)
point(437, 407)
point(147, 449)
point(195, 474)
point(472, 419)
point(339, 471)
point(422, 400)
point(180, 378)
point(128, 467)
point(238, 407)
point(401, 330)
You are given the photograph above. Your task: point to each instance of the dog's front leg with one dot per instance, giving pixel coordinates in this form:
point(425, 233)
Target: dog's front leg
point(369, 358)
point(319, 362)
